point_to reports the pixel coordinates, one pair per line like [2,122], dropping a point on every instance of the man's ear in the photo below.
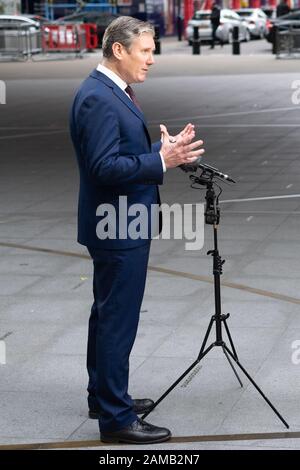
[118,50]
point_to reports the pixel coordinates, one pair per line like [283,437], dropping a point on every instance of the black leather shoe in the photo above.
[140,406]
[139,432]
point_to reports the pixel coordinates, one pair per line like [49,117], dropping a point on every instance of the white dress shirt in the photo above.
[123,85]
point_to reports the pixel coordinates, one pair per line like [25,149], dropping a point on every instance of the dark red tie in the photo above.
[131,93]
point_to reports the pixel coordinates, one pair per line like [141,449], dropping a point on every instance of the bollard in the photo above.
[275,44]
[179,27]
[235,41]
[196,41]
[157,40]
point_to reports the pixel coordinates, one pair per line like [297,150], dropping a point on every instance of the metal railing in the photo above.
[50,7]
[19,42]
[287,43]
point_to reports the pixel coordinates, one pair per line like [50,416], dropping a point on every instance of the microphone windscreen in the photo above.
[190,167]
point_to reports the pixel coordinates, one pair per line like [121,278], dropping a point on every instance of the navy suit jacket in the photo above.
[115,158]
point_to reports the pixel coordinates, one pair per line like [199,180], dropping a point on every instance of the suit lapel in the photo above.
[126,100]
[120,94]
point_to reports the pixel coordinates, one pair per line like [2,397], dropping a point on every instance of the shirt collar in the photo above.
[113,76]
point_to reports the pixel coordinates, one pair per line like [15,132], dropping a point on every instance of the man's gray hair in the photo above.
[124,30]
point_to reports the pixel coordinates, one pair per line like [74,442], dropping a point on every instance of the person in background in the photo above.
[215,22]
[283,8]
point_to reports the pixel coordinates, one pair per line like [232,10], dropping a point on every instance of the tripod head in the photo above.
[207,178]
[212,208]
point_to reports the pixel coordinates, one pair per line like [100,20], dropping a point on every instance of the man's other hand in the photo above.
[180,149]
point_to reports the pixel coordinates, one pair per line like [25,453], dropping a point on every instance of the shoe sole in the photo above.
[114,440]
[94,415]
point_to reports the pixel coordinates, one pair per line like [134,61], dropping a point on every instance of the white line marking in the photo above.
[30,128]
[289,186]
[175,126]
[238,113]
[261,212]
[32,134]
[268,198]
[249,218]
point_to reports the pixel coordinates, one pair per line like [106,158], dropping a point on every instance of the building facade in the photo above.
[10,7]
[165,13]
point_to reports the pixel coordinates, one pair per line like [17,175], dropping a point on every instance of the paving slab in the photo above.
[46,277]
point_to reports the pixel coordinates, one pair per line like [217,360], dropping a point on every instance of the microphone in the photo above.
[214,171]
[192,167]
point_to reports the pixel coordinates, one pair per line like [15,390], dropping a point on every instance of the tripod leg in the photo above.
[235,372]
[230,340]
[206,337]
[178,380]
[257,388]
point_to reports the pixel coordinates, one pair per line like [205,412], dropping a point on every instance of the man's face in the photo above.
[135,63]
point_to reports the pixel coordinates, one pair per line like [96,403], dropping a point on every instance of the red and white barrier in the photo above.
[69,37]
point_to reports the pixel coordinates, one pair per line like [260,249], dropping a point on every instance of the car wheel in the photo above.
[247,35]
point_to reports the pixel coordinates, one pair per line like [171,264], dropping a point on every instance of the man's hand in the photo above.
[180,149]
[187,131]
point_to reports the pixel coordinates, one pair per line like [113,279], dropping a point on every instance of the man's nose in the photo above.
[150,60]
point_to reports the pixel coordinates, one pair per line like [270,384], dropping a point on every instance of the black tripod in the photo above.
[212,217]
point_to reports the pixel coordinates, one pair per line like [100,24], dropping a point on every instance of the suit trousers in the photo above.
[119,284]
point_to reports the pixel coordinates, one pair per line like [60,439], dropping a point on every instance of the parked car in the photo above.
[283,23]
[270,12]
[256,21]
[38,18]
[101,19]
[19,20]
[228,19]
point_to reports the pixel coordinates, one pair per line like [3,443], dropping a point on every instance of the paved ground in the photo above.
[244,109]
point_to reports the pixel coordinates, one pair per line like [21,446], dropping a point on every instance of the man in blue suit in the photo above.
[119,166]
